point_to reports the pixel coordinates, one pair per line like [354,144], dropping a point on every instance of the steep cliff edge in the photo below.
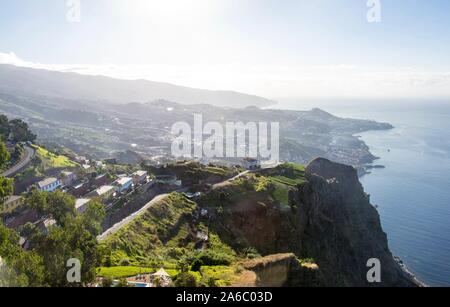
[329,219]
[342,230]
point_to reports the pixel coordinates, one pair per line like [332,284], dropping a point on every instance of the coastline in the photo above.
[365,170]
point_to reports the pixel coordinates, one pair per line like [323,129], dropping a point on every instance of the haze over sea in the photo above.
[413,191]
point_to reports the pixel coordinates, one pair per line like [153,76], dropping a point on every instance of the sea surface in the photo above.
[413,191]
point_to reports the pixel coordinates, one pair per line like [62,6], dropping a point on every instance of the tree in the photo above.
[75,236]
[4,127]
[93,217]
[185,280]
[6,189]
[4,154]
[58,205]
[107,282]
[20,131]
[6,185]
[20,268]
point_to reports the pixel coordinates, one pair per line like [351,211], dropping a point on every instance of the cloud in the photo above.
[332,81]
[12,59]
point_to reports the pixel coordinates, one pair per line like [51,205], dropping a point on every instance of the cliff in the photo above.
[341,229]
[329,220]
[287,226]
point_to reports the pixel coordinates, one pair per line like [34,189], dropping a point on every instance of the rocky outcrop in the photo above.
[331,222]
[279,270]
[341,230]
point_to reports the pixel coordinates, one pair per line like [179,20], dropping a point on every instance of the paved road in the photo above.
[130,218]
[29,154]
[155,200]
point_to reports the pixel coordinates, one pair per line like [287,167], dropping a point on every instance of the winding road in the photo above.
[24,161]
[155,200]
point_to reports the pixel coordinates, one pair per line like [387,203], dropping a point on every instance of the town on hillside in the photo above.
[123,190]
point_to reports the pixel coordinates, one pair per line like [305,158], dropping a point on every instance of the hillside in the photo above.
[71,86]
[302,226]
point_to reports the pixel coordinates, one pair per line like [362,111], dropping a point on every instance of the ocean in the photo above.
[413,191]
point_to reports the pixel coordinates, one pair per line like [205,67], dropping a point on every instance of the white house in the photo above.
[81,204]
[123,184]
[104,192]
[139,177]
[49,184]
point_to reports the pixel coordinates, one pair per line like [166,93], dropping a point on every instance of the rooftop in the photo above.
[47,182]
[103,190]
[140,173]
[80,202]
[123,181]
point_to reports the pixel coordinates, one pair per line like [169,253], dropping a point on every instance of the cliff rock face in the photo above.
[330,222]
[341,230]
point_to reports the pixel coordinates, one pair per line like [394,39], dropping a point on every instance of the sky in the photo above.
[276,49]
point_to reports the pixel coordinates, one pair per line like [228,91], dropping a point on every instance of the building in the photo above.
[28,216]
[49,184]
[251,163]
[81,204]
[123,184]
[104,192]
[100,180]
[81,160]
[68,178]
[139,177]
[162,277]
[11,203]
[80,189]
[87,167]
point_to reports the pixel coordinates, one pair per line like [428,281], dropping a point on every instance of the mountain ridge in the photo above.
[70,85]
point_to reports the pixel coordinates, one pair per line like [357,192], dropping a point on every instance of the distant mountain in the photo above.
[37,82]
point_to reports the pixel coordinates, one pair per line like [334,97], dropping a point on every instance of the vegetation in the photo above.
[51,160]
[6,185]
[193,172]
[153,237]
[218,276]
[290,174]
[128,271]
[73,236]
[16,130]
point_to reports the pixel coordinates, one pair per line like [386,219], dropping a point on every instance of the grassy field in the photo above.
[222,275]
[128,271]
[51,160]
[290,174]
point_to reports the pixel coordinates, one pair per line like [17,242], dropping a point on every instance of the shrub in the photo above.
[185,280]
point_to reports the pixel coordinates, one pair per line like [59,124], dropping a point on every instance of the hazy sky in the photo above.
[278,49]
